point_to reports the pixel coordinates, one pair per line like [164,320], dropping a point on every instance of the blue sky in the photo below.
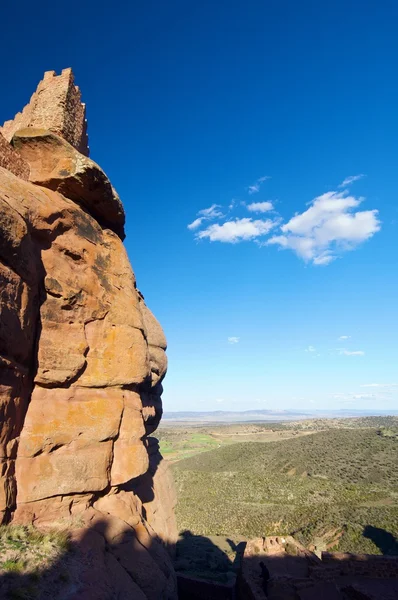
[248,116]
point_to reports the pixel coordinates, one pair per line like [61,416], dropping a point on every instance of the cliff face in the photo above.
[82,358]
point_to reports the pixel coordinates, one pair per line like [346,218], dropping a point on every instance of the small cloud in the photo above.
[345,352]
[260,207]
[255,187]
[351,179]
[219,400]
[237,230]
[206,214]
[379,385]
[344,337]
[211,213]
[233,340]
[310,349]
[195,224]
[324,259]
[350,397]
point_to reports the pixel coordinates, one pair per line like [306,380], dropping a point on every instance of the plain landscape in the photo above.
[332,483]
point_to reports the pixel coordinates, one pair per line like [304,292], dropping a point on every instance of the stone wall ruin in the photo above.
[55,106]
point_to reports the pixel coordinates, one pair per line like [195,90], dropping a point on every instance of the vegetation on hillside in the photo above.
[33,562]
[328,488]
[389,432]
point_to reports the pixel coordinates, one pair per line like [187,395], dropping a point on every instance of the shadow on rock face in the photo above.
[106,561]
[278,568]
[110,560]
[385,541]
[107,551]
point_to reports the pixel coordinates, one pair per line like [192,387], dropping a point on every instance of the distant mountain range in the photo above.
[270,415]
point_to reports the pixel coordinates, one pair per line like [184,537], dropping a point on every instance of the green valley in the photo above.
[332,485]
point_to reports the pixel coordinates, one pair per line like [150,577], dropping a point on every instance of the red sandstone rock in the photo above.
[57,165]
[81,361]
[19,274]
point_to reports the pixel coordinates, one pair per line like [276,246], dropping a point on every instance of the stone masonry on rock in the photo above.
[12,160]
[56,106]
[82,358]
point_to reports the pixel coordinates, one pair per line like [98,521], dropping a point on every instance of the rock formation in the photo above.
[280,567]
[82,358]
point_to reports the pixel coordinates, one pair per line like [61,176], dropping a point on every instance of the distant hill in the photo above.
[221,416]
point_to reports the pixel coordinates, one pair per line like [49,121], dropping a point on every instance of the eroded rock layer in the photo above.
[82,360]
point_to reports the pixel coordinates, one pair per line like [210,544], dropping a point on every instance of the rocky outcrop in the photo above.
[82,361]
[280,567]
[58,166]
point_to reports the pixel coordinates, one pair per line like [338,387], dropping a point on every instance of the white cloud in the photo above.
[345,352]
[327,228]
[206,214]
[233,340]
[237,230]
[350,396]
[323,259]
[211,213]
[310,349]
[219,400]
[344,337]
[379,385]
[260,207]
[255,187]
[195,224]
[351,179]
